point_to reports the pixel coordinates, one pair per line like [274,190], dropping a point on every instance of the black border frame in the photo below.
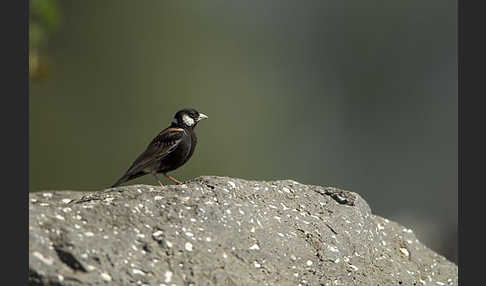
[470,76]
[15,144]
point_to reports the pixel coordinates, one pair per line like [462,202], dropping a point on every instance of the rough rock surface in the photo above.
[223,231]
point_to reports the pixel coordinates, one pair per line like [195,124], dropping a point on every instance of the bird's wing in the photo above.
[161,146]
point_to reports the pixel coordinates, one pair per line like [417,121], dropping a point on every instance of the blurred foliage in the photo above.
[44,18]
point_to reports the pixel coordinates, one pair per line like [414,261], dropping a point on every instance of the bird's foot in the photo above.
[157,179]
[174,179]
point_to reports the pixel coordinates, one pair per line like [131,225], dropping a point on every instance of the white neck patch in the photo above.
[187,120]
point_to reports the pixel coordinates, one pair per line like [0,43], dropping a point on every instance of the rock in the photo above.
[223,231]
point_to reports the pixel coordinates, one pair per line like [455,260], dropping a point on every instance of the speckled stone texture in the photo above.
[223,231]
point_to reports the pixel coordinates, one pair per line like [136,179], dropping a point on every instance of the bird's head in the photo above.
[187,118]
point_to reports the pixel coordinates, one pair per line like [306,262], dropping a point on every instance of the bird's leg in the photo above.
[157,178]
[173,179]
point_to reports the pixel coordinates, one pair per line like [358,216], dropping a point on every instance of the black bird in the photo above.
[169,150]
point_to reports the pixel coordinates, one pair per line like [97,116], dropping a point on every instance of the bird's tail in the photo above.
[127,177]
[120,181]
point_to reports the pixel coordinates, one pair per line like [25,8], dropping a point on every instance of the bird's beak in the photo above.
[201,117]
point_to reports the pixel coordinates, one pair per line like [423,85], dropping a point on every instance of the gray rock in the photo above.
[223,231]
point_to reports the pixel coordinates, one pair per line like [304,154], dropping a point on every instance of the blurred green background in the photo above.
[360,95]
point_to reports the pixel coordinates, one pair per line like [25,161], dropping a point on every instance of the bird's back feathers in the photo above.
[161,146]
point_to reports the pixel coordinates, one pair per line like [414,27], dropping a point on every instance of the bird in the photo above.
[169,150]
